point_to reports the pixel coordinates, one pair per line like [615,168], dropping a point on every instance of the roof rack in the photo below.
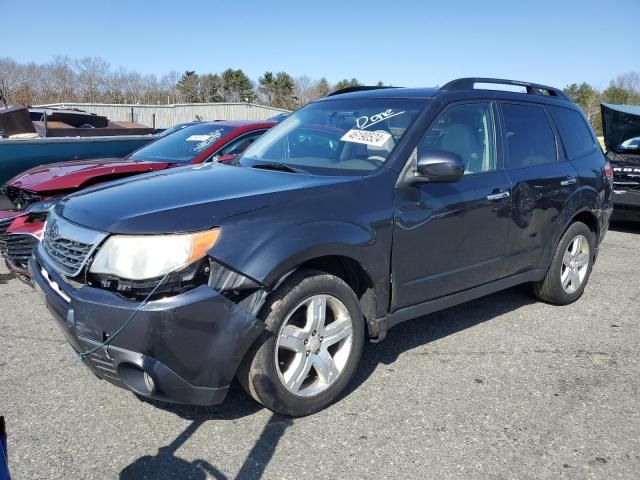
[532,88]
[359,88]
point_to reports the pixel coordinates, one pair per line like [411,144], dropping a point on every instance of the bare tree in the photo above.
[304,89]
[59,81]
[628,81]
[92,76]
[134,88]
[169,84]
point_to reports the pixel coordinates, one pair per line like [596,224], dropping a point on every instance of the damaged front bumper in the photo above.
[183,349]
[20,233]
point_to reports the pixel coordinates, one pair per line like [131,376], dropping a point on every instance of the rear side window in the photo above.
[575,134]
[529,137]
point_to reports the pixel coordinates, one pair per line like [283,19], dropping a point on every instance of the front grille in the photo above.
[69,255]
[68,246]
[620,184]
[626,177]
[4,224]
[18,248]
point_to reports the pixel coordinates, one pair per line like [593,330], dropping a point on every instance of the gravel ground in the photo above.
[500,388]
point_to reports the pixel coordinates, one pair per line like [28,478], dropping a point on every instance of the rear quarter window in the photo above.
[574,131]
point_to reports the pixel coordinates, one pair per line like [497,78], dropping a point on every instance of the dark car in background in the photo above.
[35,191]
[621,128]
[359,211]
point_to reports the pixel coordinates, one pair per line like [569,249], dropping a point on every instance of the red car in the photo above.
[37,190]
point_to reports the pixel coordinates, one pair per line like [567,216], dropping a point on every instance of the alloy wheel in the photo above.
[575,264]
[313,345]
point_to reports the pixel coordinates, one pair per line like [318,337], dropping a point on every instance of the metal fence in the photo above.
[168,115]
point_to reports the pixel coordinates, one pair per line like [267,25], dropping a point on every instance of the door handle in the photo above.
[568,181]
[498,196]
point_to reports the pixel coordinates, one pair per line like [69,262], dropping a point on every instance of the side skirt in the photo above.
[408,313]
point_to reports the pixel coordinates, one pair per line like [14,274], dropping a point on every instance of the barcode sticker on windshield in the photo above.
[376,139]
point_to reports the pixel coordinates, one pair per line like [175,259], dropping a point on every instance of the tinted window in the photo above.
[466,130]
[529,137]
[575,134]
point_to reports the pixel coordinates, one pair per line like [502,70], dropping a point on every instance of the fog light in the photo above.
[149,383]
[138,380]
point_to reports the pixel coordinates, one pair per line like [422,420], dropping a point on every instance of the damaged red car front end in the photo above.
[34,192]
[20,233]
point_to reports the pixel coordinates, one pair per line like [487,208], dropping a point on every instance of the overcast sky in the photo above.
[419,43]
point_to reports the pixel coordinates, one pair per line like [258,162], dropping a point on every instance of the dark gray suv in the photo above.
[359,211]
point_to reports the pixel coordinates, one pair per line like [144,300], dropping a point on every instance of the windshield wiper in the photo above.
[279,166]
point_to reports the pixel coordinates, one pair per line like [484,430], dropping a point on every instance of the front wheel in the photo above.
[311,346]
[570,268]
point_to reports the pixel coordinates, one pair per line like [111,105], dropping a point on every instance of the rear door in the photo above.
[542,181]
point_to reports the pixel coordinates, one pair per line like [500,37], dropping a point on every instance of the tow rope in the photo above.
[83,355]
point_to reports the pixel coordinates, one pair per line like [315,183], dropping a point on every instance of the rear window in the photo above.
[574,131]
[530,139]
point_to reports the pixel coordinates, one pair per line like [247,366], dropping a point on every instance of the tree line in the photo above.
[93,80]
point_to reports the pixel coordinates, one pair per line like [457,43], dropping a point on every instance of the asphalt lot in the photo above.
[500,388]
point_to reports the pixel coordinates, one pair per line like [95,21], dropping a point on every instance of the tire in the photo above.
[565,281]
[274,375]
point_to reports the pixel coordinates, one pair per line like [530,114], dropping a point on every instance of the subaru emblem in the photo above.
[53,231]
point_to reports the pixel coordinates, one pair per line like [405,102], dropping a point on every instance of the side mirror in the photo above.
[437,166]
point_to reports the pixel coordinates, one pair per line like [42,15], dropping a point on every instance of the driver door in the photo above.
[449,237]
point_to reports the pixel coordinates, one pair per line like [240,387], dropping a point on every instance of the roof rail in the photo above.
[532,88]
[359,88]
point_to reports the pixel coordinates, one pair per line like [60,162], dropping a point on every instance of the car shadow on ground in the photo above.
[412,334]
[165,464]
[430,328]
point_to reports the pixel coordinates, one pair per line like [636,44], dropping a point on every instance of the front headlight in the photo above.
[134,257]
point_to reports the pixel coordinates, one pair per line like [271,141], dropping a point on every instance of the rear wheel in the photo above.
[570,268]
[311,347]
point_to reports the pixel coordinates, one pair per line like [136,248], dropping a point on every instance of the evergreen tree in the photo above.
[189,86]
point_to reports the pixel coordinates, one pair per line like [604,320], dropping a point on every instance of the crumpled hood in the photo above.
[72,175]
[187,199]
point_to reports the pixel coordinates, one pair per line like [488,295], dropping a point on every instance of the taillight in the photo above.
[608,171]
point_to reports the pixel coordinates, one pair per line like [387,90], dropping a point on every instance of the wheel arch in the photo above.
[352,272]
[589,219]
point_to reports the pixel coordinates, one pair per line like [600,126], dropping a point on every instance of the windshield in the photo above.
[336,137]
[184,145]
